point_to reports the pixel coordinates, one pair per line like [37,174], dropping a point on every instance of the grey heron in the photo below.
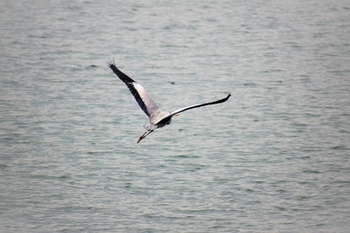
[157,117]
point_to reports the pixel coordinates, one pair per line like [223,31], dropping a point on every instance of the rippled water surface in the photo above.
[274,158]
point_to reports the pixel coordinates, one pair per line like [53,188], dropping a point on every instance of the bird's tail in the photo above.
[150,127]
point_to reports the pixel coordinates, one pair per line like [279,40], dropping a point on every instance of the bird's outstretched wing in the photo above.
[139,93]
[165,119]
[199,105]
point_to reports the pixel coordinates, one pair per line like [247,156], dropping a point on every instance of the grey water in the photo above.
[274,158]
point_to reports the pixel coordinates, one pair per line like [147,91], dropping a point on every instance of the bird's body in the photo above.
[158,118]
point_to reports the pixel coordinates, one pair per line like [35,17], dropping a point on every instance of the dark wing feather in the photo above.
[165,119]
[126,79]
[142,98]
[199,105]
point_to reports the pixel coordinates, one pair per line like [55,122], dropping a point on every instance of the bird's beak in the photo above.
[177,114]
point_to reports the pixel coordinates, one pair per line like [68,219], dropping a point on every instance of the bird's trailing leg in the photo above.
[144,135]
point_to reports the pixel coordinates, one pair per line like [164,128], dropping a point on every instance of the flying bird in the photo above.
[157,117]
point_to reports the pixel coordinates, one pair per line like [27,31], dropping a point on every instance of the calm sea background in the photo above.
[274,158]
